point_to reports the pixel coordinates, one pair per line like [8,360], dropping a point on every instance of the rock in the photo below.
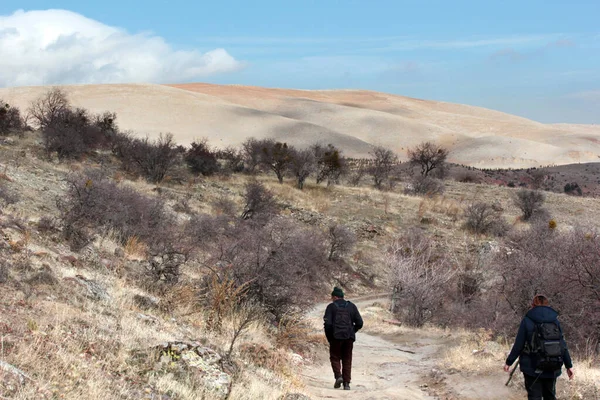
[148,318]
[11,379]
[202,361]
[119,252]
[295,396]
[93,289]
[146,302]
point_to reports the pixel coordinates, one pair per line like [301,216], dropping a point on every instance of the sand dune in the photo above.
[351,119]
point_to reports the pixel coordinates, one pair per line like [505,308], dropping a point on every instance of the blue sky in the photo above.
[537,59]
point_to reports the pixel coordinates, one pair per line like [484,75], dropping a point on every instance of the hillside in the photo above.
[92,322]
[353,120]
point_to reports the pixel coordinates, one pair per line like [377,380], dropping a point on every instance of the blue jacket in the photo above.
[528,361]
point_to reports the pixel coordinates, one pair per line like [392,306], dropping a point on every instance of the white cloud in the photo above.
[63,47]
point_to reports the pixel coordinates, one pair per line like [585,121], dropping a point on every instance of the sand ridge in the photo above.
[354,120]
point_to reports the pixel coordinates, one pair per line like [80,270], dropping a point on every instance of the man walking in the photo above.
[542,350]
[341,322]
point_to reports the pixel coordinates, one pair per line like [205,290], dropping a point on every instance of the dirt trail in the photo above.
[384,367]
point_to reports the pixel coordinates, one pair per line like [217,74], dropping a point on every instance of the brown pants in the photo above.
[340,355]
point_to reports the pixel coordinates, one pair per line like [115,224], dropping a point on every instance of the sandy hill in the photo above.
[354,120]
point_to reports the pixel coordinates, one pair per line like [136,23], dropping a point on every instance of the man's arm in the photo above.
[519,344]
[328,322]
[358,321]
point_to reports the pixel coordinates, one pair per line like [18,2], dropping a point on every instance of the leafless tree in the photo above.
[420,278]
[428,156]
[530,202]
[252,153]
[277,157]
[341,241]
[384,161]
[46,108]
[302,165]
[330,163]
[480,217]
[260,203]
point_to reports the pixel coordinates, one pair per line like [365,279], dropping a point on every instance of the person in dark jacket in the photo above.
[341,322]
[539,384]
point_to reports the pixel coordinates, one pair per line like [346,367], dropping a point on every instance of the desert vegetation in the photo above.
[187,272]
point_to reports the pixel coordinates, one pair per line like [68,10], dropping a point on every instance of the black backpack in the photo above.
[342,322]
[547,345]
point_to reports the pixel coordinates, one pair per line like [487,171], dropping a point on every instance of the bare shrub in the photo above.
[277,157]
[480,217]
[384,161]
[563,266]
[7,196]
[201,159]
[425,186]
[420,278]
[259,202]
[151,159]
[302,165]
[358,173]
[530,202]
[341,241]
[428,156]
[47,108]
[71,133]
[11,121]
[93,202]
[330,163]
[251,153]
[283,264]
[46,224]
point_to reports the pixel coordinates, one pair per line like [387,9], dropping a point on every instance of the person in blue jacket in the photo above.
[539,384]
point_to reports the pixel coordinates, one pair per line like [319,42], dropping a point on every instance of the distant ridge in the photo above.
[354,120]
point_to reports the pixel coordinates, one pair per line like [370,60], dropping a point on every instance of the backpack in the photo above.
[547,345]
[342,322]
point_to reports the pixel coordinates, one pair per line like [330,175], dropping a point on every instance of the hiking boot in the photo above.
[346,385]
[338,382]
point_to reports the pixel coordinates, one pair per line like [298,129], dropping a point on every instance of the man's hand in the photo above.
[570,373]
[507,368]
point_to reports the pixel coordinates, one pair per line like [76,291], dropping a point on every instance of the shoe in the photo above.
[346,386]
[338,382]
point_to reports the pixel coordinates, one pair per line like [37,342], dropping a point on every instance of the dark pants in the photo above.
[540,388]
[340,355]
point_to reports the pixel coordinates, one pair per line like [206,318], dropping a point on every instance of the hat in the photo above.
[337,292]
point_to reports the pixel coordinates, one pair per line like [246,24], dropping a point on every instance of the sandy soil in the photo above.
[354,120]
[384,367]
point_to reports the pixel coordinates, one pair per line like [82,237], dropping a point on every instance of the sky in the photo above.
[536,59]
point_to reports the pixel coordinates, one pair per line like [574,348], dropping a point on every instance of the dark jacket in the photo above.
[528,361]
[329,318]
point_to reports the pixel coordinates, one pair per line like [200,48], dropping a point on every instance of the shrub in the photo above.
[420,278]
[573,188]
[259,202]
[384,161]
[201,159]
[71,134]
[302,165]
[283,264]
[341,241]
[11,121]
[530,202]
[428,156]
[7,196]
[480,217]
[330,163]
[277,157]
[151,159]
[563,266]
[251,153]
[48,108]
[425,186]
[94,202]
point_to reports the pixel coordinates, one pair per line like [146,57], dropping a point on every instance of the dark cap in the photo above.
[337,292]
